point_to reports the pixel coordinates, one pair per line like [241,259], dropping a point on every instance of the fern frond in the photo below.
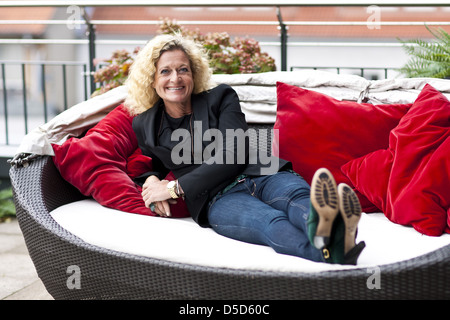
[428,59]
[440,34]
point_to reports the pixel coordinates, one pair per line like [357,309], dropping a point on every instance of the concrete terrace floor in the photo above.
[18,277]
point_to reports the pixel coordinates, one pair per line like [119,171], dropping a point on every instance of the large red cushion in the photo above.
[410,180]
[103,162]
[314,130]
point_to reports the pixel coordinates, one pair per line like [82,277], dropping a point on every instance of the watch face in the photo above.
[171,187]
[171,184]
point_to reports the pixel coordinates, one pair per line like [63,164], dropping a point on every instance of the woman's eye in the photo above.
[164,71]
[184,70]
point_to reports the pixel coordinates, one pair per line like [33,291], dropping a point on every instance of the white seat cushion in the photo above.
[183,241]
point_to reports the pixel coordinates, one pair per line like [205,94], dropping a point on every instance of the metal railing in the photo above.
[42,107]
[91,41]
[361,71]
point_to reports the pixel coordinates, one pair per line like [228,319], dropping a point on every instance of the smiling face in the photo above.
[174,82]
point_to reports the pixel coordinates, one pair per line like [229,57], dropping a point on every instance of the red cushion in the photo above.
[316,130]
[371,180]
[103,162]
[410,180]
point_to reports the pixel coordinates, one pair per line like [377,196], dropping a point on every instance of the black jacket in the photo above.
[218,108]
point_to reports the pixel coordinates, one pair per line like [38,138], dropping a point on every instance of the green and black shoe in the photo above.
[324,210]
[332,233]
[350,209]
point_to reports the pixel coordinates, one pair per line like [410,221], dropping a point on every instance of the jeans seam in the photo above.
[252,193]
[291,203]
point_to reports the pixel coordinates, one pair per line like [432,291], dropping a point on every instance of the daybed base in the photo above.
[107,274]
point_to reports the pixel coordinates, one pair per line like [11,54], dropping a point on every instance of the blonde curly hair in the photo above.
[141,94]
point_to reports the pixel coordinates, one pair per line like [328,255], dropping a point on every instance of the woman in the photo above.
[184,122]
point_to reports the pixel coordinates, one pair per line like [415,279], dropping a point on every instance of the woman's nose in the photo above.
[174,76]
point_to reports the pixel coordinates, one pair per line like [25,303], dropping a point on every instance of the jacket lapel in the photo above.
[148,126]
[150,122]
[201,112]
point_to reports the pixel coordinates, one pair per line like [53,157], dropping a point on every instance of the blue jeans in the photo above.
[268,210]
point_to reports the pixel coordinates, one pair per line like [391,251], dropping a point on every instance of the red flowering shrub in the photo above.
[243,55]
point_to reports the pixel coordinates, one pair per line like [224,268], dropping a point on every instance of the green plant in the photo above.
[7,208]
[241,55]
[428,59]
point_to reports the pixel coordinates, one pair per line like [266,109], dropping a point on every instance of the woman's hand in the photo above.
[156,196]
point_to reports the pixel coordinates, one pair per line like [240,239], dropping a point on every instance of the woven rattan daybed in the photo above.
[120,255]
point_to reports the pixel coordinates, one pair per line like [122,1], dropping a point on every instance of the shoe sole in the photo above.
[324,198]
[350,209]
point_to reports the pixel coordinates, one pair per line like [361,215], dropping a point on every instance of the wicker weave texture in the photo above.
[106,274]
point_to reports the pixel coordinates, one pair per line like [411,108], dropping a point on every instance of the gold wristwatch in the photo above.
[172,188]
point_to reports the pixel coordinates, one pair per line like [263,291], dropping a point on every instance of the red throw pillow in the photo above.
[410,180]
[316,130]
[369,179]
[103,162]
